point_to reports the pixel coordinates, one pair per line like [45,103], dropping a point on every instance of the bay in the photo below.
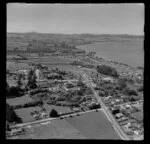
[127,52]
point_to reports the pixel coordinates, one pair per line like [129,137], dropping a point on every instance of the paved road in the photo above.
[89,83]
[51,119]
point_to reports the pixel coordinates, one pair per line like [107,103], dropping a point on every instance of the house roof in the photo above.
[126,121]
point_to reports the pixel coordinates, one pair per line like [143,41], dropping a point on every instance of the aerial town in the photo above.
[50,87]
[75,71]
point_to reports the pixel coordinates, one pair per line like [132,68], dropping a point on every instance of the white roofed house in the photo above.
[109,79]
[25,72]
[38,74]
[119,115]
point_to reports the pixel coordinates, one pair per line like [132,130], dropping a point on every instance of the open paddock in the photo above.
[94,125]
[59,129]
[59,109]
[19,100]
[49,59]
[24,113]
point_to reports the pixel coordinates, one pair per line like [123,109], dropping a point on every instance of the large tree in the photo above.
[19,81]
[32,79]
[11,116]
[53,113]
[107,70]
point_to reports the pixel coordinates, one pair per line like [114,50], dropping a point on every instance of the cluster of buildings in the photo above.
[128,115]
[132,74]
[15,132]
[39,114]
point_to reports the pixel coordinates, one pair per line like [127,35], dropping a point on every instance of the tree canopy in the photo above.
[32,79]
[11,116]
[107,70]
[53,113]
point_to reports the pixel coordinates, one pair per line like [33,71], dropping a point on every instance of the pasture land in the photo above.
[94,125]
[59,109]
[24,113]
[59,129]
[19,100]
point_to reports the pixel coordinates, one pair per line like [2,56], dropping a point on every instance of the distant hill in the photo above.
[36,42]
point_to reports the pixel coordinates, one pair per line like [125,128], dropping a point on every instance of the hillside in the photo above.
[40,42]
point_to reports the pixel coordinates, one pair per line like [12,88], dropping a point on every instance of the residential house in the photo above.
[119,115]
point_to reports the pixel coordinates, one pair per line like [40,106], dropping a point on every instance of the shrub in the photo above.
[14,91]
[128,91]
[134,98]
[53,113]
[61,99]
[115,111]
[17,107]
[122,83]
[33,104]
[101,93]
[107,70]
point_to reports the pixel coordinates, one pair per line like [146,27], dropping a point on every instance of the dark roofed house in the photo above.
[54,76]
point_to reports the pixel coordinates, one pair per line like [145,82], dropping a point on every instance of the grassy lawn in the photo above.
[57,108]
[19,100]
[59,129]
[94,125]
[49,59]
[24,113]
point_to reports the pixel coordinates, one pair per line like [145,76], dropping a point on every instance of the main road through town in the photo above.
[88,81]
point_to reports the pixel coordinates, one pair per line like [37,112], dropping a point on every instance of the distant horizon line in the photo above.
[81,33]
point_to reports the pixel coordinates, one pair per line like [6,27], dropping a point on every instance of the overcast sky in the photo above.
[76,18]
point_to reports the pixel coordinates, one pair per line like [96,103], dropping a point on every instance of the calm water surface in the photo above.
[131,53]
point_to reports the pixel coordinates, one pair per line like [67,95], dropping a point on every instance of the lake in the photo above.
[127,52]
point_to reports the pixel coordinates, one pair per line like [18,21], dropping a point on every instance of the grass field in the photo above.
[17,65]
[94,126]
[59,129]
[24,113]
[19,100]
[57,108]
[48,59]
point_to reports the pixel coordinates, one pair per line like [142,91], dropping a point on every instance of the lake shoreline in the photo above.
[86,48]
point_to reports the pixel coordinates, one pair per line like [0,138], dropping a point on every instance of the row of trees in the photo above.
[32,79]
[107,70]
[30,104]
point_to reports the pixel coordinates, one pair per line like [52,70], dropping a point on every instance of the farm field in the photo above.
[24,113]
[17,65]
[59,109]
[94,126]
[19,100]
[59,129]
[49,59]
